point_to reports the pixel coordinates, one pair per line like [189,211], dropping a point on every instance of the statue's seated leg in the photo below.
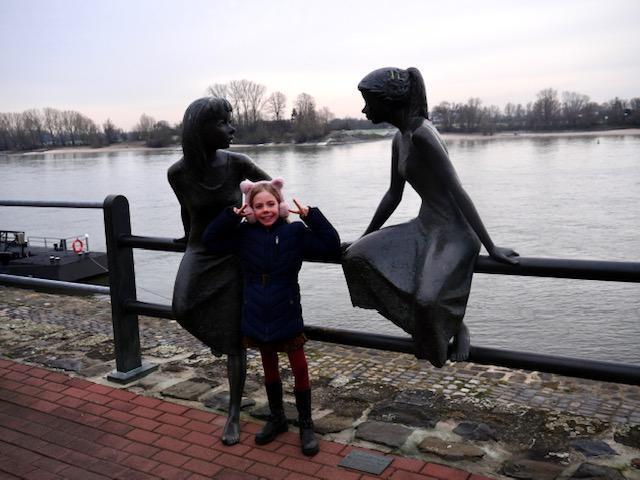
[460,345]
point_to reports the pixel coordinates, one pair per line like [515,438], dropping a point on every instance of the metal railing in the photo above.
[125,306]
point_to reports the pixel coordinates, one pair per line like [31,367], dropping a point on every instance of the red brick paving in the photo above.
[53,426]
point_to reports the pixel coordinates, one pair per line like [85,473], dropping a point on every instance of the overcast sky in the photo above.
[120,58]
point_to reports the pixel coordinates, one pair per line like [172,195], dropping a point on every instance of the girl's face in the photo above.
[266,209]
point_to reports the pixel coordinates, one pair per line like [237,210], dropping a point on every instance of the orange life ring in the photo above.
[77,245]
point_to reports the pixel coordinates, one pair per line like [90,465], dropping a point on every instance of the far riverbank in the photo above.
[139,146]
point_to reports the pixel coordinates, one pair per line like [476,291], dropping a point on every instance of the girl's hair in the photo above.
[264,187]
[199,112]
[401,88]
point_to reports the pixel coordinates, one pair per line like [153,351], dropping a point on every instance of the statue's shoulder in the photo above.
[241,163]
[425,134]
[239,158]
[176,171]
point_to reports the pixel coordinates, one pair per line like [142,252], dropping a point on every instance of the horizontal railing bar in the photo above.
[563,268]
[572,367]
[528,266]
[149,309]
[44,203]
[151,243]
[71,287]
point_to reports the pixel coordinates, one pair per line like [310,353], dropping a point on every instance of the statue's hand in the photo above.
[344,246]
[504,255]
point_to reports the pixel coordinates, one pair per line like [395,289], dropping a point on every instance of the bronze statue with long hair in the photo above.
[207,297]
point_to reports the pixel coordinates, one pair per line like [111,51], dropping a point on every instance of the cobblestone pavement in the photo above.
[74,333]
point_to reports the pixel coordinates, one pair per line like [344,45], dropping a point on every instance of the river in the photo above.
[557,196]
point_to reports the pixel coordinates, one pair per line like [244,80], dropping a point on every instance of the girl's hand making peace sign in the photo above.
[302,211]
[241,212]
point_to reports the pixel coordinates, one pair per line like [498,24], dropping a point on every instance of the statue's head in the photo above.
[204,129]
[393,88]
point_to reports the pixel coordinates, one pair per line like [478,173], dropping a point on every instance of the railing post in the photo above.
[122,282]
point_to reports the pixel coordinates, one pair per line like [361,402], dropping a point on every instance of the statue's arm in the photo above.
[184,213]
[392,197]
[430,148]
[249,169]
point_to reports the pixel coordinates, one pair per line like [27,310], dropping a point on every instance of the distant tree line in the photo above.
[571,111]
[262,118]
[46,128]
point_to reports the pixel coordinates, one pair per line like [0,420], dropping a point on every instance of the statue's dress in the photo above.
[207,296]
[418,274]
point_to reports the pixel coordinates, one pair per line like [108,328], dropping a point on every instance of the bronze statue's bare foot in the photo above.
[231,432]
[461,345]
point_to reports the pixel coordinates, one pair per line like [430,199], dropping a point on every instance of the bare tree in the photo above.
[325,116]
[218,90]
[615,111]
[111,133]
[246,99]
[7,141]
[546,108]
[276,103]
[255,100]
[305,106]
[444,115]
[573,105]
[53,124]
[144,126]
[471,114]
[32,122]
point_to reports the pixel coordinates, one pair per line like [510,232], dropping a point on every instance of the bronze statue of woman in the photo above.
[207,297]
[418,274]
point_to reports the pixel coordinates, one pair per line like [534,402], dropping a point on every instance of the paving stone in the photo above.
[589,471]
[417,398]
[189,389]
[592,448]
[332,423]
[452,451]
[403,413]
[97,370]
[68,364]
[475,431]
[628,435]
[220,401]
[524,469]
[389,434]
[262,412]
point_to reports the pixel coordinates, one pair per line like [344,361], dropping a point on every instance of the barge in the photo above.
[67,259]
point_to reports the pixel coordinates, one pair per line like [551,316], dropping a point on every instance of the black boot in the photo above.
[308,440]
[277,422]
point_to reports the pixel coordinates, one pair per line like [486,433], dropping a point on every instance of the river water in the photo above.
[560,197]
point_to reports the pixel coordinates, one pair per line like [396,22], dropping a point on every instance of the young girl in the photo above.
[271,251]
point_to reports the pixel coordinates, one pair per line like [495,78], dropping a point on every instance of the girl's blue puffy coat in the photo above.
[271,259]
